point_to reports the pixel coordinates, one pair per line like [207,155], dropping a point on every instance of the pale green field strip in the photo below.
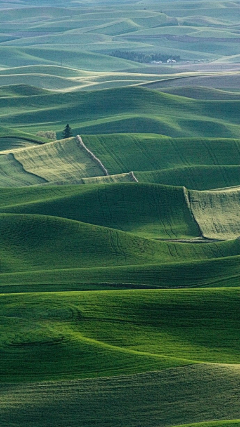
[190,394]
[59,161]
[116,332]
[217,212]
[13,174]
[203,93]
[227,82]
[124,177]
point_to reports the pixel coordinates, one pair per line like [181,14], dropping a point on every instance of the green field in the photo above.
[119,247]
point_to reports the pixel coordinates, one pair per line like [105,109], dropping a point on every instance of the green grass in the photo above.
[178,395]
[194,177]
[152,152]
[221,272]
[140,111]
[223,423]
[152,211]
[115,332]
[34,242]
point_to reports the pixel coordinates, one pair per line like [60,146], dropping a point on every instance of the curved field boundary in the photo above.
[82,145]
[13,174]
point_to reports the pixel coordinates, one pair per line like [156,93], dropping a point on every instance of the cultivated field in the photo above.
[120,242]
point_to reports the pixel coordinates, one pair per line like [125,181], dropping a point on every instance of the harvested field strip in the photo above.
[59,161]
[13,174]
[92,156]
[124,177]
[101,400]
[217,212]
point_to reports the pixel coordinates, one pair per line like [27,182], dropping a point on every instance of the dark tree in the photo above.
[67,133]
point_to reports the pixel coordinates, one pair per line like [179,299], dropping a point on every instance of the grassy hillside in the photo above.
[119,249]
[152,152]
[194,177]
[140,110]
[114,332]
[167,393]
[32,242]
[146,210]
[218,272]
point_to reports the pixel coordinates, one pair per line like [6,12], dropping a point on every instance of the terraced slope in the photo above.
[13,174]
[195,163]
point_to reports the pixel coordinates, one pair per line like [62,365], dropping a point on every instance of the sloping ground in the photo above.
[59,161]
[217,212]
[202,93]
[37,242]
[116,332]
[123,177]
[147,210]
[12,173]
[219,272]
[199,163]
[140,152]
[140,110]
[9,144]
[194,177]
[177,395]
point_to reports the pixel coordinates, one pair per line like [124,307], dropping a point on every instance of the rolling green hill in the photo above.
[115,332]
[167,392]
[146,210]
[119,248]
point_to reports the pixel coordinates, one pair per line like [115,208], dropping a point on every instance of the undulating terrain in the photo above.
[120,240]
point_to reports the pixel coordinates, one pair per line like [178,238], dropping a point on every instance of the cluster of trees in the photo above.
[49,134]
[143,57]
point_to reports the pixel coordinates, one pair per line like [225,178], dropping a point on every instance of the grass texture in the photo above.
[171,394]
[115,332]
